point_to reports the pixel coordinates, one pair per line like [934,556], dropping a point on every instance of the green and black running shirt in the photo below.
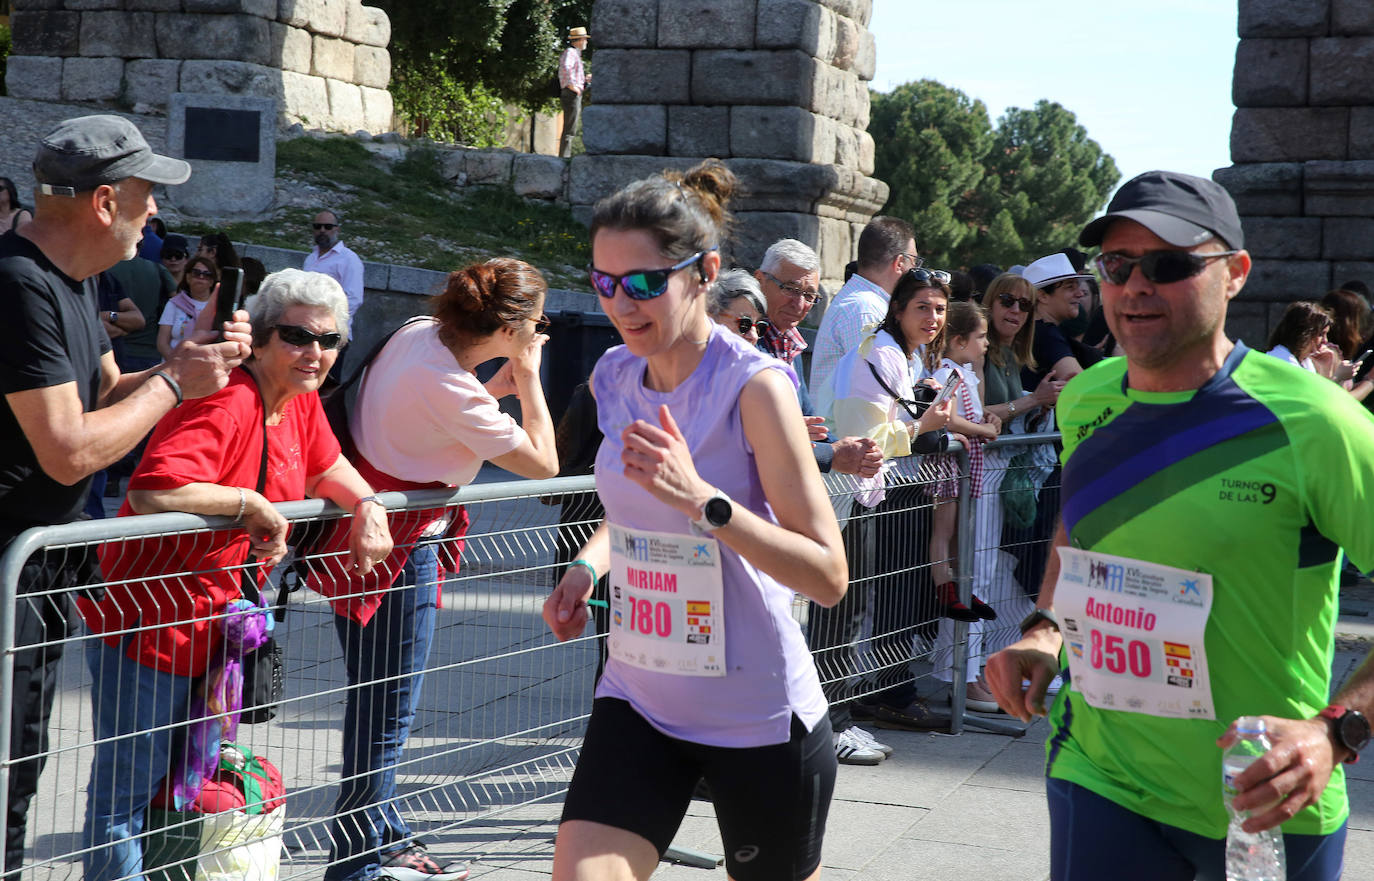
[1258,478]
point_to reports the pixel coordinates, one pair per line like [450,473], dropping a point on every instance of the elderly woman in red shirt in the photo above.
[262,439]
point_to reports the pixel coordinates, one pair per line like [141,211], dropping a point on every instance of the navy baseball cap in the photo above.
[1181,209]
[88,151]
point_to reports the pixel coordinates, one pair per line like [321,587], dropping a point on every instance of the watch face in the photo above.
[717,511]
[1354,730]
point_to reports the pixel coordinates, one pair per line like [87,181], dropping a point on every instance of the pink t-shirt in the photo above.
[422,417]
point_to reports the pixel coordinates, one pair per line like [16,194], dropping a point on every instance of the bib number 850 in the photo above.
[1109,652]
[649,617]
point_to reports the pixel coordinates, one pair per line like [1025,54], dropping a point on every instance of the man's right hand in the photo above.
[857,455]
[200,365]
[1034,657]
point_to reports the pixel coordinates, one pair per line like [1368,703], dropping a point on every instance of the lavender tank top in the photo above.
[770,673]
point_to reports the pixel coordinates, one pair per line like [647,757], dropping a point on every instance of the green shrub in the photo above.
[4,54]
[431,104]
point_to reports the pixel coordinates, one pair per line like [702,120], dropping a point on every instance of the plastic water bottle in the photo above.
[1250,856]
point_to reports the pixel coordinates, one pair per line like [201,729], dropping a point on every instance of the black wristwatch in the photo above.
[715,513]
[1036,617]
[1349,727]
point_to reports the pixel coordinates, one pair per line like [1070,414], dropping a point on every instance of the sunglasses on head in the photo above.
[174,255]
[640,284]
[295,335]
[926,276]
[202,273]
[1160,267]
[1010,302]
[325,225]
[794,289]
[744,325]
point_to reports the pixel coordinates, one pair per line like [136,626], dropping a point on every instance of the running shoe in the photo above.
[851,749]
[872,741]
[413,863]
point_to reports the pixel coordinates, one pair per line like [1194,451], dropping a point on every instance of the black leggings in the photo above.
[771,801]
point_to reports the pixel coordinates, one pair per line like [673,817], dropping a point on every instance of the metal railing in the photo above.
[503,705]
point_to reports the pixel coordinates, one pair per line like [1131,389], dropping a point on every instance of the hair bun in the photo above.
[469,288]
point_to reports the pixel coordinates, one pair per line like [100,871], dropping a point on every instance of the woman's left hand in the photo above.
[369,538]
[658,460]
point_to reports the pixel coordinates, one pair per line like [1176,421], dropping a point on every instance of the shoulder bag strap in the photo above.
[901,401]
[249,584]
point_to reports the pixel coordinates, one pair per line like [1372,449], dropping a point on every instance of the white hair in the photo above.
[798,254]
[294,287]
[730,286]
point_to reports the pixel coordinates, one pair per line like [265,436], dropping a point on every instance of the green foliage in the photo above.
[979,194]
[4,54]
[510,47]
[432,104]
[407,213]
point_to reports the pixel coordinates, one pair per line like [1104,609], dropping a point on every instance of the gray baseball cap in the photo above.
[88,151]
[1181,209]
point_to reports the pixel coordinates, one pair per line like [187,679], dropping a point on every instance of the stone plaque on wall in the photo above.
[222,135]
[230,141]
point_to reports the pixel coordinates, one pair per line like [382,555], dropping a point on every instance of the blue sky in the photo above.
[1150,82]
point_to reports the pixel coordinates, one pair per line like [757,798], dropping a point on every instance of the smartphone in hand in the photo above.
[230,297]
[948,391]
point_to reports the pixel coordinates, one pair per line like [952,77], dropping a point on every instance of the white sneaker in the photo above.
[872,742]
[850,749]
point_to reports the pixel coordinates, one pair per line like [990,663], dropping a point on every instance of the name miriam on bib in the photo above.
[650,580]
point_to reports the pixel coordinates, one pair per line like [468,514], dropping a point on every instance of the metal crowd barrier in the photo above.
[503,706]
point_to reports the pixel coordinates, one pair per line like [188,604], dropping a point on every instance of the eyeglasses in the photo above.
[202,273]
[926,276]
[793,289]
[639,284]
[917,262]
[541,324]
[1010,302]
[1160,267]
[295,335]
[747,324]
[174,255]
[325,225]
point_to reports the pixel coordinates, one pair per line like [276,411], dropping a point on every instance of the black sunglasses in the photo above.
[926,276]
[295,335]
[174,255]
[793,288]
[202,273]
[744,324]
[325,225]
[640,284]
[1160,267]
[1010,302]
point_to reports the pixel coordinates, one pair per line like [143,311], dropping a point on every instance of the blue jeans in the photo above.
[385,662]
[127,700]
[1094,837]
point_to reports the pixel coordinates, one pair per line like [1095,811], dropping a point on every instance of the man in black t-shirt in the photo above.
[68,410]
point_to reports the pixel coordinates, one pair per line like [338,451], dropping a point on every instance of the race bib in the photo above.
[667,602]
[1134,634]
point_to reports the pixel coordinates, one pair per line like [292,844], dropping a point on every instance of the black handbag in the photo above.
[264,668]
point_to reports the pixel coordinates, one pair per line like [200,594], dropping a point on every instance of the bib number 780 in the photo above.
[1116,654]
[649,617]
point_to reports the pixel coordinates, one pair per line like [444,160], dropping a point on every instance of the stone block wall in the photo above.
[777,88]
[1302,141]
[324,61]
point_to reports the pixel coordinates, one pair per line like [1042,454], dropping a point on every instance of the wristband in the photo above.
[171,383]
[373,499]
[588,566]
